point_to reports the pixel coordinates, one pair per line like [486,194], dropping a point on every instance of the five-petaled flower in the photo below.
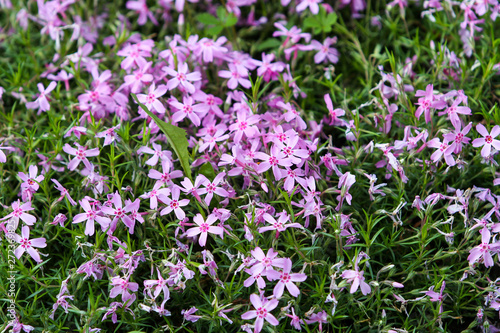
[263,307]
[204,227]
[28,245]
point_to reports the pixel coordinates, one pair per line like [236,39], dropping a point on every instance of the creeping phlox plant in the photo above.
[244,165]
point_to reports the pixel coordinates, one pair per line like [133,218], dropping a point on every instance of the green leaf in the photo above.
[176,136]
[267,44]
[207,170]
[215,30]
[206,18]
[231,20]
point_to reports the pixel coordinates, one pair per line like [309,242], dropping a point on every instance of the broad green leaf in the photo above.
[267,44]
[176,136]
[206,18]
[215,30]
[207,170]
[231,20]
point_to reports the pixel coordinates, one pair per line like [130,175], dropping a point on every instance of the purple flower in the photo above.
[19,212]
[188,315]
[325,51]
[262,311]
[122,286]
[80,154]
[182,77]
[90,215]
[31,181]
[64,192]
[483,250]
[280,225]
[173,203]
[151,100]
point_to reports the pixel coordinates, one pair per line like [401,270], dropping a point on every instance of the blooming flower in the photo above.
[487,140]
[173,203]
[280,225]
[121,286]
[182,77]
[64,192]
[151,99]
[325,51]
[211,188]
[483,250]
[25,244]
[235,77]
[19,212]
[90,215]
[31,181]
[286,279]
[41,103]
[204,227]
[80,154]
[262,312]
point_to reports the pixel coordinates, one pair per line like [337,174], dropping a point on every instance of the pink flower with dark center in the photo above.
[28,245]
[151,99]
[90,215]
[457,138]
[286,279]
[119,212]
[212,187]
[442,150]
[235,77]
[334,114]
[158,285]
[122,286]
[182,77]
[109,135]
[204,227]
[19,212]
[488,140]
[325,51]
[31,180]
[312,4]
[281,225]
[174,204]
[154,194]
[188,109]
[80,154]
[167,175]
[262,312]
[484,250]
[157,153]
[454,110]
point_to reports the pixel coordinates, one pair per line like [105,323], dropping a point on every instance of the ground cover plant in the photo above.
[249,166]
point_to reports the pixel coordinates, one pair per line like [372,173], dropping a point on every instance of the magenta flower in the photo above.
[333,113]
[64,192]
[265,262]
[90,215]
[235,77]
[119,212]
[142,9]
[427,102]
[151,99]
[182,77]
[41,103]
[442,150]
[286,279]
[208,48]
[262,311]
[31,181]
[187,109]
[158,285]
[325,51]
[157,153]
[312,4]
[77,131]
[121,287]
[281,225]
[487,140]
[296,321]
[212,187]
[267,69]
[204,227]
[138,78]
[483,250]
[356,279]
[454,110]
[28,245]
[19,212]
[174,204]
[167,175]
[109,135]
[81,155]
[244,124]
[274,161]
[154,194]
[457,137]
[188,315]
[437,297]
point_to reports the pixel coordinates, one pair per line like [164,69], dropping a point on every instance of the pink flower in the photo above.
[487,140]
[188,315]
[211,188]
[81,155]
[31,181]
[151,99]
[235,77]
[454,110]
[204,227]
[356,278]
[265,262]
[262,311]
[142,9]
[28,245]
[442,150]
[286,279]
[77,131]
[119,212]
[174,204]
[458,137]
[109,135]
[64,192]
[154,194]
[427,102]
[281,225]
[159,286]
[41,103]
[325,51]
[187,109]
[437,297]
[122,286]
[182,77]
[296,321]
[208,49]
[312,4]
[167,175]
[483,250]
[90,215]
[333,113]
[19,212]
[157,153]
